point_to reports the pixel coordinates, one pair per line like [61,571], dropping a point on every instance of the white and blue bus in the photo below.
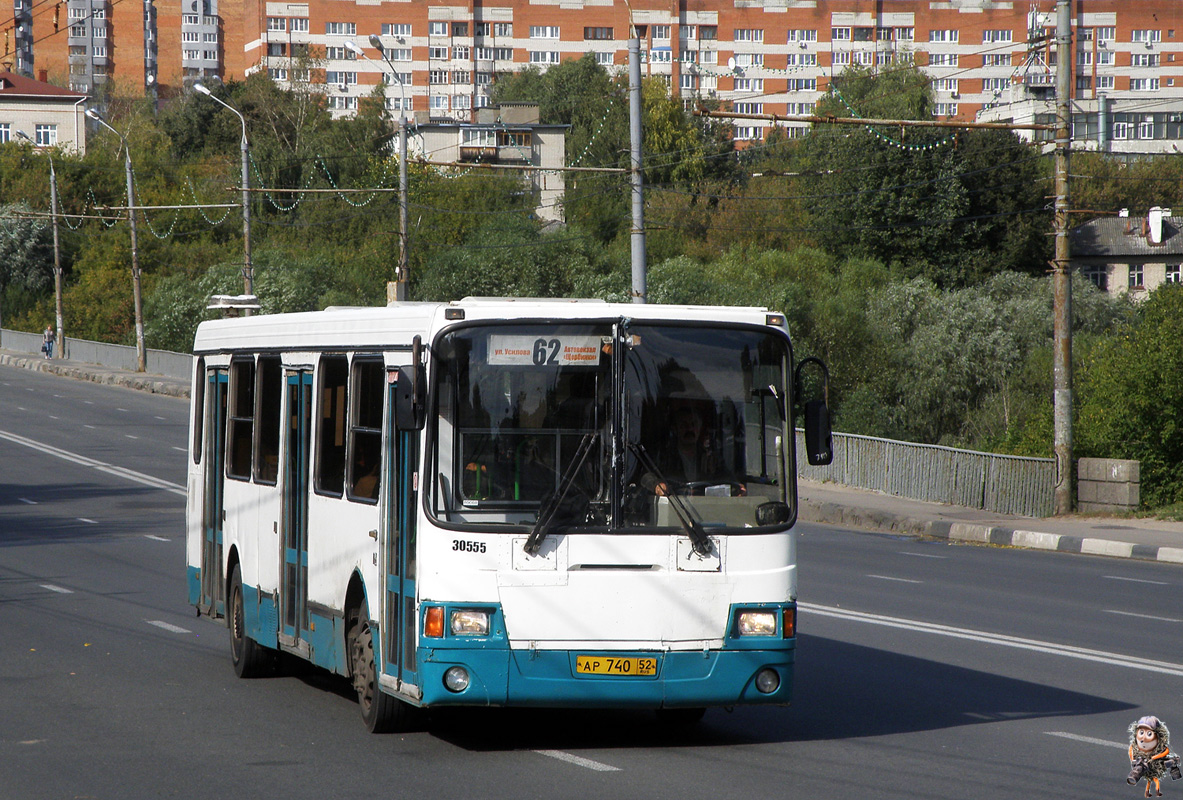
[500,502]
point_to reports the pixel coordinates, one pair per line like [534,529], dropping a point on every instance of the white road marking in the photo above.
[156,538]
[51,416]
[21,408]
[124,410]
[110,469]
[129,436]
[92,427]
[167,626]
[1035,645]
[578,761]
[58,589]
[87,521]
[1142,616]
[180,449]
[1135,580]
[89,402]
[160,418]
[27,501]
[57,395]
[920,555]
[1087,739]
[890,578]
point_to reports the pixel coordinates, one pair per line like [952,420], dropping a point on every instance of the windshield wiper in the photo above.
[546,513]
[693,528]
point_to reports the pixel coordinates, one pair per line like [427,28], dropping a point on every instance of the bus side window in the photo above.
[242,418]
[365,429]
[199,409]
[268,394]
[330,455]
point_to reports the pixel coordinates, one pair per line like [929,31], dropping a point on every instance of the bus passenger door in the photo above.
[293,582]
[399,622]
[213,582]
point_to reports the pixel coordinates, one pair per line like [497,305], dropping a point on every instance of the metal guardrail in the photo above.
[116,356]
[990,481]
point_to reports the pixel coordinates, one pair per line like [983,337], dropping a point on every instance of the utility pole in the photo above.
[57,261]
[637,179]
[1062,273]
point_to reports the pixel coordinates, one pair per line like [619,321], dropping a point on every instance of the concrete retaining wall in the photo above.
[1107,485]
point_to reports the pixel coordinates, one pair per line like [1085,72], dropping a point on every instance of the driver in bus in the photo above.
[689,456]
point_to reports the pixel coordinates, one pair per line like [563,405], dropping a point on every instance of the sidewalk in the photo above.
[1123,537]
[830,503]
[79,370]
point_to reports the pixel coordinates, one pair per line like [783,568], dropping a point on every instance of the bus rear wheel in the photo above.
[381,712]
[250,659]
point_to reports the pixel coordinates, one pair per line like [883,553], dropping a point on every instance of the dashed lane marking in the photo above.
[578,761]
[59,589]
[1135,580]
[27,501]
[1142,616]
[166,626]
[890,578]
[1076,737]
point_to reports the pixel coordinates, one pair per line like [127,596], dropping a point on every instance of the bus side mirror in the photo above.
[819,445]
[409,395]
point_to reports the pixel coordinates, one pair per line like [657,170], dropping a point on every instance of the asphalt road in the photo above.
[925,670]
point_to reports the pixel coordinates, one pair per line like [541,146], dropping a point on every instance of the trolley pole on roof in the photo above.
[635,139]
[1062,272]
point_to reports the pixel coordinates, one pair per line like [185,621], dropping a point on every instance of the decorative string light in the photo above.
[915,148]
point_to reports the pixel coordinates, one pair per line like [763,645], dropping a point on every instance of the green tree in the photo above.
[26,256]
[1130,396]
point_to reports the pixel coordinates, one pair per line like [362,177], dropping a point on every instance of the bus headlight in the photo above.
[470,622]
[757,623]
[456,679]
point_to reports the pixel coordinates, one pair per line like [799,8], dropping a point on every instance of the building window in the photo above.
[273,23]
[708,33]
[749,84]
[1144,84]
[544,57]
[1121,130]
[1105,82]
[461,76]
[996,60]
[340,78]
[192,36]
[687,82]
[331,53]
[801,85]
[749,60]
[437,53]
[462,52]
[1084,83]
[277,74]
[396,29]
[1146,129]
[661,32]
[461,102]
[544,31]
[597,34]
[438,76]
[398,53]
[802,35]
[279,49]
[997,36]
[905,34]
[437,29]
[299,25]
[1099,276]
[944,109]
[840,34]
[1136,280]
[1173,275]
[459,28]
[862,34]
[341,28]
[605,59]
[503,29]
[947,35]
[748,34]
[1144,60]
[78,31]
[747,133]
[1145,36]
[5,133]
[438,102]
[749,108]
[945,85]
[688,32]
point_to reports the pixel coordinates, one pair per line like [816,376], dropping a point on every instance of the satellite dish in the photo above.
[731,63]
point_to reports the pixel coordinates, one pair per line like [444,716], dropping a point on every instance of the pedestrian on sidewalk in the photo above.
[47,341]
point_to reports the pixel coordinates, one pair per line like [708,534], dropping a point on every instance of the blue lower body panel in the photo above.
[502,677]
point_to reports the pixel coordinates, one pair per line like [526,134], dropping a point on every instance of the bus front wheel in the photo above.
[250,659]
[381,712]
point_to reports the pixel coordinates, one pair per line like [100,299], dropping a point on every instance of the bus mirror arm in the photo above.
[408,396]
[819,446]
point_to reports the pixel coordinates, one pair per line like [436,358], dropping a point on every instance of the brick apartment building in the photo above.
[762,56]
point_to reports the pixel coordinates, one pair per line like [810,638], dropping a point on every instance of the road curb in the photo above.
[887,522]
[156,384]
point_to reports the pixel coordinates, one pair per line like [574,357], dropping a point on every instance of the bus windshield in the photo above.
[611,426]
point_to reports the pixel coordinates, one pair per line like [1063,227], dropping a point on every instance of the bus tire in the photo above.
[250,659]
[381,712]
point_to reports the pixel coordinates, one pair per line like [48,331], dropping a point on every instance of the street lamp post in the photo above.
[57,251]
[248,270]
[141,355]
[400,285]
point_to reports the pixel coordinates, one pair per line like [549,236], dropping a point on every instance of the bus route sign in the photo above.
[544,351]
